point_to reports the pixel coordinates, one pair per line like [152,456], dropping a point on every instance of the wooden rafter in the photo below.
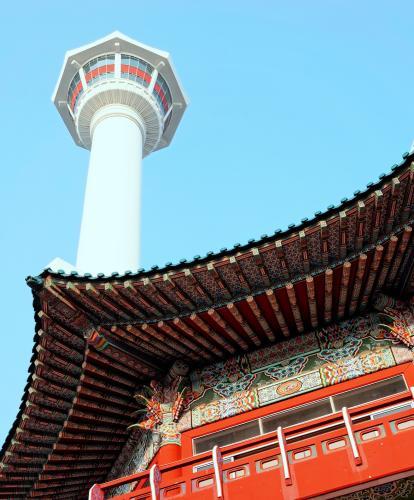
[172,342]
[145,304]
[149,346]
[209,332]
[106,303]
[175,289]
[260,318]
[372,276]
[148,284]
[304,250]
[237,316]
[409,196]
[402,247]
[328,295]
[189,341]
[324,234]
[290,289]
[201,290]
[389,254]
[343,294]
[123,301]
[236,337]
[193,348]
[377,215]
[359,276]
[392,205]
[310,290]
[343,234]
[239,273]
[205,342]
[360,229]
[216,276]
[89,306]
[281,256]
[261,266]
[270,295]
[161,347]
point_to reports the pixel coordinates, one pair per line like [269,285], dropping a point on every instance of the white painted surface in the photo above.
[218,470]
[58,264]
[283,454]
[155,479]
[119,43]
[110,228]
[351,437]
[120,121]
[121,93]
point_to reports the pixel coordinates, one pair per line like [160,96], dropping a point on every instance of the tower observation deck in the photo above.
[121,100]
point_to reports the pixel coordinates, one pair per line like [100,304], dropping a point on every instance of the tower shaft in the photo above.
[121,100]
[110,229]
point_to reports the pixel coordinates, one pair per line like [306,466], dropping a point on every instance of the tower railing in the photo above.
[359,446]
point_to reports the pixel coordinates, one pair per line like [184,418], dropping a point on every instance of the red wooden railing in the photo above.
[342,452]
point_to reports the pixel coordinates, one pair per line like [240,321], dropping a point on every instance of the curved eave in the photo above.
[325,270]
[76,408]
[307,225]
[93,416]
[326,241]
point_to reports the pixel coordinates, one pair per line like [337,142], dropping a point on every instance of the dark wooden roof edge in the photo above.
[10,435]
[320,271]
[360,262]
[39,285]
[238,248]
[27,450]
[61,438]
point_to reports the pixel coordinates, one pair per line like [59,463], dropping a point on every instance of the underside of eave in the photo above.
[78,400]
[325,270]
[201,337]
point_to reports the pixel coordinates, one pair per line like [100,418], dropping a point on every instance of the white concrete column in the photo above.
[110,229]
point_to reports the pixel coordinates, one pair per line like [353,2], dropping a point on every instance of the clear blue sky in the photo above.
[294,105]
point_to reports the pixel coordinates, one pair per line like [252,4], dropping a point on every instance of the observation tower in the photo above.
[121,100]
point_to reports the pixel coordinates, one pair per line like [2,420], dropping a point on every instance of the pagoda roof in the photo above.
[99,337]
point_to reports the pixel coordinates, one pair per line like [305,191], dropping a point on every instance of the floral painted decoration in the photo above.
[162,401]
[178,405]
[395,323]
